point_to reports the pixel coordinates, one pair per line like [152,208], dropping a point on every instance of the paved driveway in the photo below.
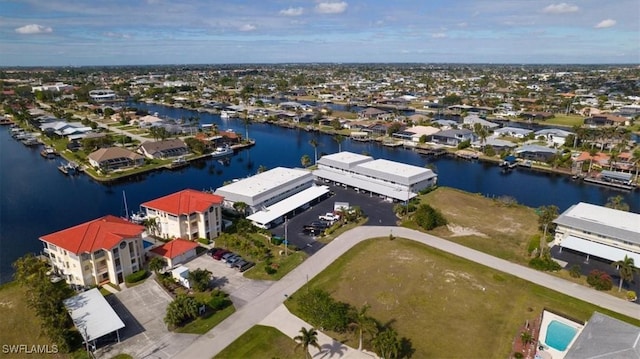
[142,309]
[379,211]
[241,290]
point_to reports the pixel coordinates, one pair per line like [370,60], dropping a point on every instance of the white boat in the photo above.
[226,114]
[178,163]
[138,218]
[222,151]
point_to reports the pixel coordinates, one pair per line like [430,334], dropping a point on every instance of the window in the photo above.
[53,247]
[122,245]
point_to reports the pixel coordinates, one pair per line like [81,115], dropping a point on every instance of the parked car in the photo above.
[246,266]
[228,256]
[239,264]
[219,254]
[212,251]
[233,260]
[315,226]
[329,217]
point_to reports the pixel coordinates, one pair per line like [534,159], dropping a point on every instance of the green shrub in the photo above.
[219,300]
[204,240]
[136,276]
[631,295]
[599,280]
[575,271]
[544,264]
[428,217]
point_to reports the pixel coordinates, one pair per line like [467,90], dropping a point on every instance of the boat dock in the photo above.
[433,152]
[467,155]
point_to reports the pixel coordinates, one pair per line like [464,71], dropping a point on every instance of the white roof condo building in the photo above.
[599,231]
[266,188]
[393,180]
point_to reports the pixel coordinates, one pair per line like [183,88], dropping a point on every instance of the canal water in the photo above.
[36,199]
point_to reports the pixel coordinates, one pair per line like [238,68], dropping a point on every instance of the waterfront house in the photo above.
[473,118]
[65,129]
[103,250]
[453,137]
[606,120]
[536,115]
[414,133]
[373,113]
[164,149]
[175,252]
[514,132]
[554,136]
[497,144]
[536,152]
[599,231]
[113,158]
[188,214]
[377,129]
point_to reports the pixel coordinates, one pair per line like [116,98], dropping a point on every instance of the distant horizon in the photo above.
[64,33]
[325,63]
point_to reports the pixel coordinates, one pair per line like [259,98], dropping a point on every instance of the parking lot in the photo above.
[142,309]
[240,289]
[379,212]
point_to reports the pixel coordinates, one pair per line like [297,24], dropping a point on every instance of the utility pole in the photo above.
[286,241]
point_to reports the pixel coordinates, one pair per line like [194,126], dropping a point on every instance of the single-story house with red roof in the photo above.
[176,252]
[103,250]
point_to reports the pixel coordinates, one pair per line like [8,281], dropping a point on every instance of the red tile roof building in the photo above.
[188,214]
[106,249]
[177,251]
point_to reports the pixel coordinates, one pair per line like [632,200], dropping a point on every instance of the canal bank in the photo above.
[37,199]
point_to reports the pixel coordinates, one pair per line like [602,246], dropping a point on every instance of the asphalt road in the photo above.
[255,311]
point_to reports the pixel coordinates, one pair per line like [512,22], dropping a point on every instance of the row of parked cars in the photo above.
[233,260]
[324,222]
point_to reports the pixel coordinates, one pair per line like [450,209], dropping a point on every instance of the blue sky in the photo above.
[122,32]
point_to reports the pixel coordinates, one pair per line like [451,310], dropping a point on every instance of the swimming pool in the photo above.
[559,335]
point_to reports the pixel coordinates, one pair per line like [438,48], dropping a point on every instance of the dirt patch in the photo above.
[459,231]
[6,305]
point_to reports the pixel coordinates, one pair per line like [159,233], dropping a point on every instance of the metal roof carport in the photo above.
[93,316]
[367,185]
[598,249]
[276,211]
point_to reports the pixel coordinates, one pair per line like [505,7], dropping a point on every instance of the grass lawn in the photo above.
[262,342]
[19,324]
[204,324]
[565,120]
[285,265]
[445,305]
[484,224]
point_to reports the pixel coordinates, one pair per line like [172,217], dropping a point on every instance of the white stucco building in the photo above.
[392,180]
[599,231]
[266,188]
[103,250]
[188,214]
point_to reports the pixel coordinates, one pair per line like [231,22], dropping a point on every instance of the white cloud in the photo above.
[33,29]
[292,11]
[247,27]
[439,35]
[561,8]
[331,7]
[605,24]
[117,35]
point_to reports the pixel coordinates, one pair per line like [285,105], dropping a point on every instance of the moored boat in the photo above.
[222,151]
[48,152]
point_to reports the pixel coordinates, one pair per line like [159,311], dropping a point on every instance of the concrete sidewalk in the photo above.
[290,325]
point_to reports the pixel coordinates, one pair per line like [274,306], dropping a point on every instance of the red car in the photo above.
[219,253]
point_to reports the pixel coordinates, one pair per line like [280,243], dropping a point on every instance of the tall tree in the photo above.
[546,216]
[314,143]
[617,202]
[156,264]
[339,139]
[200,279]
[626,270]
[363,323]
[307,338]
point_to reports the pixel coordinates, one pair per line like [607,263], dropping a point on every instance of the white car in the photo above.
[329,217]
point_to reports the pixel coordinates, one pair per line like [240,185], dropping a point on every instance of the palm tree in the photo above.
[306,339]
[339,139]
[156,264]
[151,224]
[387,344]
[314,143]
[363,323]
[635,157]
[305,161]
[200,279]
[617,202]
[626,269]
[240,207]
[526,338]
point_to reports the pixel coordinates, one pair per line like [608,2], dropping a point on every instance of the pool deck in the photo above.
[547,318]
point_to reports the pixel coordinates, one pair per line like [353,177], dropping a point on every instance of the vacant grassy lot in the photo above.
[446,306]
[565,120]
[262,342]
[484,224]
[19,325]
[203,324]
